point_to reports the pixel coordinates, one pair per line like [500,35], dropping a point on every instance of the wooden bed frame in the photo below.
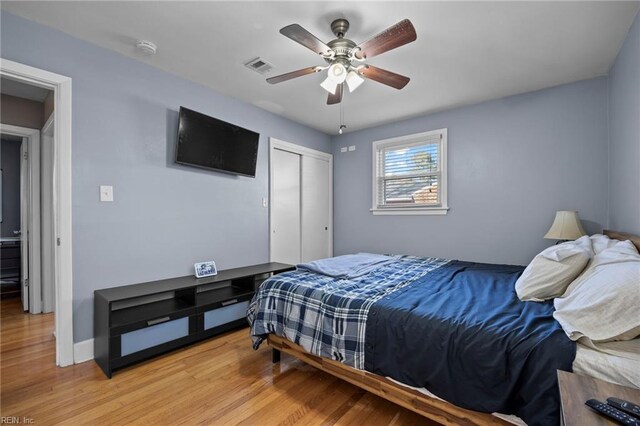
[635,239]
[435,409]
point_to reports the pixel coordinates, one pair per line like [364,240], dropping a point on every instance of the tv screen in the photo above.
[210,143]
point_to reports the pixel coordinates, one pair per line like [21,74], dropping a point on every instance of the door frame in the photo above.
[47,227]
[31,147]
[61,86]
[302,151]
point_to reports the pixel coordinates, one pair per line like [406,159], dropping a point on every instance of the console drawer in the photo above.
[217,317]
[153,335]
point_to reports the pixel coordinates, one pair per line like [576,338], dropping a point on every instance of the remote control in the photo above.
[626,406]
[613,413]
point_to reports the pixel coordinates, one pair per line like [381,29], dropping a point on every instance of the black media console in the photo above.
[136,322]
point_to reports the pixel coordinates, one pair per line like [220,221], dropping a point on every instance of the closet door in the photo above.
[316,208]
[285,207]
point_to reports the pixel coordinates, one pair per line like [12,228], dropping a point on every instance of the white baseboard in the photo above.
[83,351]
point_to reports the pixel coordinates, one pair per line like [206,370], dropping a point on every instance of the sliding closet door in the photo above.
[316,208]
[285,207]
[301,203]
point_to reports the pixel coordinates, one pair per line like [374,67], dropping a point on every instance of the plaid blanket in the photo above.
[325,315]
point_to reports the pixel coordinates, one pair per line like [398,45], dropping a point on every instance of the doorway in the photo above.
[301,203]
[60,196]
[10,241]
[21,237]
[28,229]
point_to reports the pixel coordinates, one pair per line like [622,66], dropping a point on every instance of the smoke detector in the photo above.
[146,47]
[259,65]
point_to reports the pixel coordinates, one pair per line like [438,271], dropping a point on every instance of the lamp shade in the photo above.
[329,85]
[353,80]
[566,226]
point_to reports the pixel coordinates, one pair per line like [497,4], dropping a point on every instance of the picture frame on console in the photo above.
[205,269]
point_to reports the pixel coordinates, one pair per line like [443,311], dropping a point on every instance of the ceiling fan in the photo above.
[345,58]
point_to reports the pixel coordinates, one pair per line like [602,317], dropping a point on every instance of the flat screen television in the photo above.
[213,144]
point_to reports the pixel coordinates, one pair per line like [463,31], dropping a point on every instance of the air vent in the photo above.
[259,65]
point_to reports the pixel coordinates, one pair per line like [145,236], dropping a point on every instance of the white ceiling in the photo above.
[21,90]
[466,52]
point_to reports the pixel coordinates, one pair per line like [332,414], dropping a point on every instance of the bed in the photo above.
[478,346]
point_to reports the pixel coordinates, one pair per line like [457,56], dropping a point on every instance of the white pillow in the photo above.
[601,242]
[550,272]
[603,304]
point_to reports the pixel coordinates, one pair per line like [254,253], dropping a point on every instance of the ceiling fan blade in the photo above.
[383,76]
[395,36]
[298,34]
[337,97]
[293,74]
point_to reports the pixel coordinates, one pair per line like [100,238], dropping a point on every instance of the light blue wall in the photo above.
[165,217]
[624,135]
[512,163]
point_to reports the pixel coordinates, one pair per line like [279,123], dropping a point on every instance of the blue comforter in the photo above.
[462,333]
[456,328]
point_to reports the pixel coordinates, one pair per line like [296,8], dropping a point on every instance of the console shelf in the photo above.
[221,297]
[136,322]
[149,311]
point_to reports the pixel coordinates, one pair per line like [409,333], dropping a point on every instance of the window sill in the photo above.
[403,211]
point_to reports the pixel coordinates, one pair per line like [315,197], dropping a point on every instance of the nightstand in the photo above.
[576,389]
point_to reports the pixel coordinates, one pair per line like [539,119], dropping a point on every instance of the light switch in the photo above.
[352,148]
[264,202]
[106,193]
[343,149]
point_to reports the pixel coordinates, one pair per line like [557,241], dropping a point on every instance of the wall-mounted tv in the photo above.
[209,143]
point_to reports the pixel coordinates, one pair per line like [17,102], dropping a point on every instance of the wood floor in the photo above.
[219,381]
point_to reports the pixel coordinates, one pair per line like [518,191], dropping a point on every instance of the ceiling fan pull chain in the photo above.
[342,125]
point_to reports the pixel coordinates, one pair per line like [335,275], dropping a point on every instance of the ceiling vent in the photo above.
[259,65]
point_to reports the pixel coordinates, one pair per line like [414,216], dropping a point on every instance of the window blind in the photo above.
[409,173]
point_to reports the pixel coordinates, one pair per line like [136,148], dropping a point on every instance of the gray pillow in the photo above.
[550,272]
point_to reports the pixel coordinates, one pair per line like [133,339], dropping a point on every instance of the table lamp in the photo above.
[566,226]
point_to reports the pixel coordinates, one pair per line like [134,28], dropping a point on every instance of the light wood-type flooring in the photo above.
[218,381]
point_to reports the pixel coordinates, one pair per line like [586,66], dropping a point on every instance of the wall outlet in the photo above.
[106,193]
[352,148]
[343,149]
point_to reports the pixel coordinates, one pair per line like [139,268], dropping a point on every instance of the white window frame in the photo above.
[443,207]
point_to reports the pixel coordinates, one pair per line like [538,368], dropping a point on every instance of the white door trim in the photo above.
[47,237]
[300,150]
[61,87]
[30,137]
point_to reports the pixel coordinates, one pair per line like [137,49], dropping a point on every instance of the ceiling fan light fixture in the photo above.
[337,73]
[329,85]
[339,56]
[353,80]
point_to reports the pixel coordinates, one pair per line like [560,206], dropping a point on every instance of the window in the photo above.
[410,174]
